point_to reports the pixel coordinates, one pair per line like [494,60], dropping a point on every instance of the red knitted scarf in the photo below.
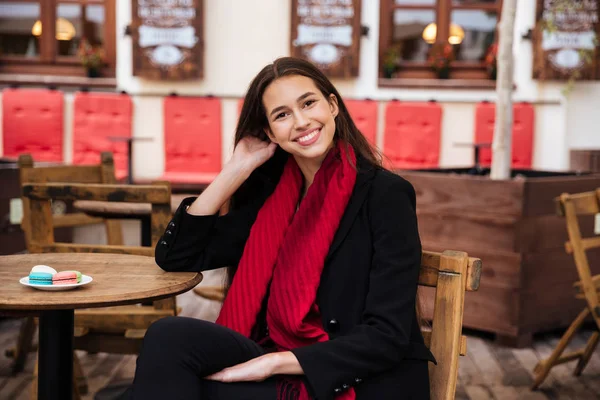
[288,249]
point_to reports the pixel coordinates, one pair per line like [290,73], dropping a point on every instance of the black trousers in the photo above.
[178,352]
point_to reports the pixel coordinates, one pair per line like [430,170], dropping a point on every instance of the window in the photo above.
[409,29]
[43,37]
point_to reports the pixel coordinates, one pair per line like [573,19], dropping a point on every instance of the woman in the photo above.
[324,254]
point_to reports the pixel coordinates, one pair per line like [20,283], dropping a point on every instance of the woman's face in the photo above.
[301,119]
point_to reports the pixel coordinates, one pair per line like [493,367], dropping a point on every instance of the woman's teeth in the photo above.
[308,137]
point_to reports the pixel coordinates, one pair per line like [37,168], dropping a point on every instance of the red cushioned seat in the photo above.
[98,116]
[412,135]
[192,139]
[522,139]
[32,122]
[364,115]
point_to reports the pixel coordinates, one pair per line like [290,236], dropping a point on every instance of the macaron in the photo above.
[78,275]
[43,268]
[64,278]
[40,278]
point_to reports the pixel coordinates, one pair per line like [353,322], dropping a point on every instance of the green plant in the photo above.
[390,61]
[91,57]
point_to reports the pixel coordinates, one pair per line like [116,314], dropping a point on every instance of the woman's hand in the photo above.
[256,370]
[251,152]
[260,368]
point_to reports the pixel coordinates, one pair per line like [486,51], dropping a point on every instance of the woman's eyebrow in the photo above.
[277,109]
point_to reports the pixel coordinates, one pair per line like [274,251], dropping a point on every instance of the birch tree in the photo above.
[502,144]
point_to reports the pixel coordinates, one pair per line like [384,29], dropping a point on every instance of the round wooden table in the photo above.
[117,280]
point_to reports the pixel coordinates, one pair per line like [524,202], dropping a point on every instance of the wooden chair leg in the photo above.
[587,353]
[24,344]
[542,369]
[114,233]
[34,385]
[79,379]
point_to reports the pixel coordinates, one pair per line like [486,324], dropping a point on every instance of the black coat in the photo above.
[367,291]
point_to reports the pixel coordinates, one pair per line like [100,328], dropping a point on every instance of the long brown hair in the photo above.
[253,117]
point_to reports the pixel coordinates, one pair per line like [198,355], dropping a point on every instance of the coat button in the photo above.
[337,390]
[168,232]
[345,386]
[333,325]
[171,224]
[163,243]
[357,380]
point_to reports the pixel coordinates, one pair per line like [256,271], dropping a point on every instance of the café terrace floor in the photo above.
[487,372]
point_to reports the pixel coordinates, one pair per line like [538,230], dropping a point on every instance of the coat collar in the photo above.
[364,178]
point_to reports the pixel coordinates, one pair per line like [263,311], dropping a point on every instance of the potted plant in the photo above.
[491,61]
[441,55]
[390,62]
[92,58]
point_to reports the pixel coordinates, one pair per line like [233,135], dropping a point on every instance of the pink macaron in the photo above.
[64,278]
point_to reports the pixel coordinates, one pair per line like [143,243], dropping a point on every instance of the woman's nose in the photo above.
[300,121]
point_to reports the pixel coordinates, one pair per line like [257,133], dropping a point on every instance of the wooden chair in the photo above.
[112,329]
[572,206]
[28,172]
[451,273]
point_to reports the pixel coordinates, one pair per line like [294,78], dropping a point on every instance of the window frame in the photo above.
[50,63]
[466,71]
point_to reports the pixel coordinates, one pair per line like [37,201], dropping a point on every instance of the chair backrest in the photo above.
[192,127]
[364,115]
[522,137]
[572,206]
[412,134]
[451,273]
[41,236]
[96,117]
[32,122]
[104,172]
[40,196]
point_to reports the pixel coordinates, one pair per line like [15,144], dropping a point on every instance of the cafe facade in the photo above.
[373,50]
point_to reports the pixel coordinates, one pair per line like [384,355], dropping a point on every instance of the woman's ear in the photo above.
[333,105]
[270,135]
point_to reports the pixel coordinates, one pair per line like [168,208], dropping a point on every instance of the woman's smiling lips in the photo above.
[309,138]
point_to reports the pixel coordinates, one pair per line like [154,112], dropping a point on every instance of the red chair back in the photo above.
[192,139]
[364,115]
[97,117]
[412,135]
[522,139]
[32,122]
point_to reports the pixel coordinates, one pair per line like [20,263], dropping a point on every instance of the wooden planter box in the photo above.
[526,282]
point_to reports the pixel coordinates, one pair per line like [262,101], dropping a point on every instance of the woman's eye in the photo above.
[309,102]
[280,115]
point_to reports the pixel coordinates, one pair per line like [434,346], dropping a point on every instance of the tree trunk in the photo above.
[502,144]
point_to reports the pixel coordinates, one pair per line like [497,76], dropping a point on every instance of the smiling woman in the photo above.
[323,253]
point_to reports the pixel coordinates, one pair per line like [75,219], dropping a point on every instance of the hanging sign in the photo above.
[327,33]
[566,39]
[167,39]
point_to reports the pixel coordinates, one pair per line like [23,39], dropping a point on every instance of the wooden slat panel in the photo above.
[86,248]
[447,324]
[75,219]
[584,203]
[430,266]
[81,174]
[157,194]
[588,243]
[119,319]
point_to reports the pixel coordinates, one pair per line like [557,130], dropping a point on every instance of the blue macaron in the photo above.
[40,278]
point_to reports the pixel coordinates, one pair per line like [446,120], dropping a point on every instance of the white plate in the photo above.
[85,279]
